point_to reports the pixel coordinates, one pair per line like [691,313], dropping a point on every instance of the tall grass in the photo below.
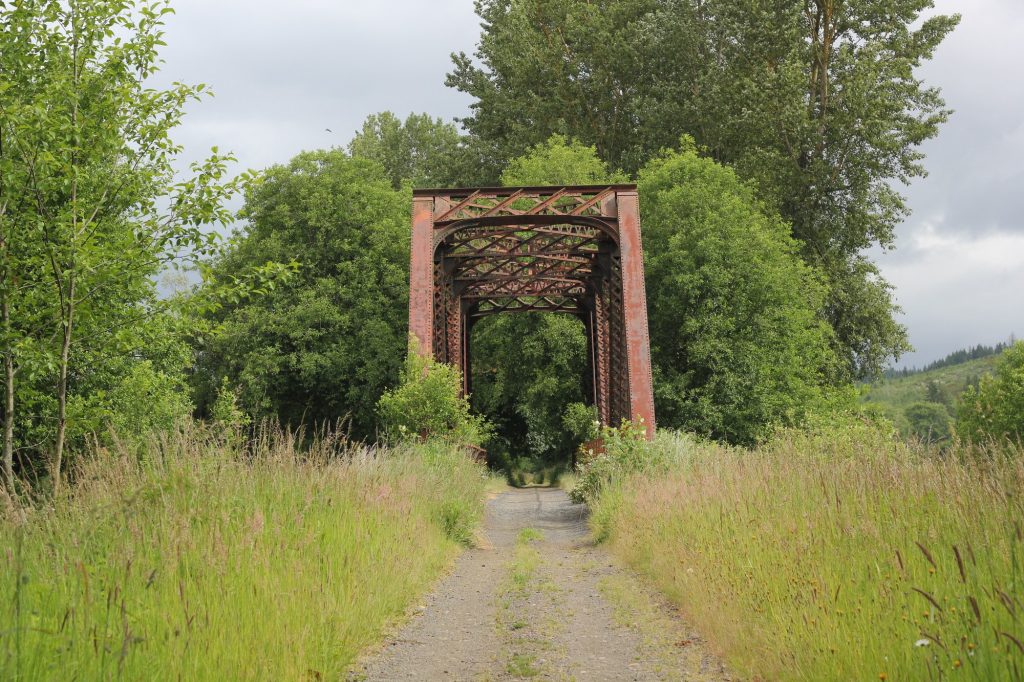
[196,562]
[843,557]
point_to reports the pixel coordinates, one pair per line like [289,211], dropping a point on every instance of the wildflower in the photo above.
[922,642]
[957,663]
[883,676]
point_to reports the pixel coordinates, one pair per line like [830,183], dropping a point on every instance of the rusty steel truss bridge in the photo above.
[568,250]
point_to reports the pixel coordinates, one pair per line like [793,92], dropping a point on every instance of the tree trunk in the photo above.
[8,448]
[62,385]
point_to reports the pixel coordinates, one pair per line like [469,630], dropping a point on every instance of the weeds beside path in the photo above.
[818,557]
[197,563]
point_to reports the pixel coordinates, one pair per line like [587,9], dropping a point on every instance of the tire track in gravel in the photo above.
[537,600]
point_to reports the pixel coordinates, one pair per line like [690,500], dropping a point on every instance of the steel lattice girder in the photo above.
[569,250]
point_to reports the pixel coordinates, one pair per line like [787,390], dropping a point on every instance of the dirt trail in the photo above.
[537,600]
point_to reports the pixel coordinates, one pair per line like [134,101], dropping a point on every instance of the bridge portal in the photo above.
[568,250]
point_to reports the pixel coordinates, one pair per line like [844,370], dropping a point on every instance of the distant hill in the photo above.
[942,384]
[955,358]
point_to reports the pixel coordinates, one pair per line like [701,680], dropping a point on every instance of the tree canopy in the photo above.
[324,345]
[815,102]
[736,341]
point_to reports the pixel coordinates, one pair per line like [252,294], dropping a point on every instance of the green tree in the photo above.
[928,421]
[85,159]
[936,392]
[420,150]
[736,342]
[548,67]
[325,344]
[994,411]
[428,403]
[815,101]
[527,369]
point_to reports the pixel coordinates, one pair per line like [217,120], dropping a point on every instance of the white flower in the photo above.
[922,642]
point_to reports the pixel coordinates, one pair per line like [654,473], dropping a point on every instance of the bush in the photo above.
[580,420]
[428,404]
[994,411]
[225,411]
[626,452]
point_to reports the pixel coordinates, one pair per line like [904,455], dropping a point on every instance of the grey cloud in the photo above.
[958,267]
[284,72]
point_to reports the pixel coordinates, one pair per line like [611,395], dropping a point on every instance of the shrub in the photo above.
[927,421]
[226,412]
[626,451]
[429,403]
[580,420]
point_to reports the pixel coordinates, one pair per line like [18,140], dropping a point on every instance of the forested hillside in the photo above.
[925,403]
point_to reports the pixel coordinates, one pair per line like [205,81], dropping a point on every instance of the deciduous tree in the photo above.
[325,344]
[815,101]
[736,341]
[994,410]
[92,208]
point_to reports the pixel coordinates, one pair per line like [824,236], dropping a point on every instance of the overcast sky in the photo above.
[304,74]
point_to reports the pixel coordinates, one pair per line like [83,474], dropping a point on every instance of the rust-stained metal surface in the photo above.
[569,250]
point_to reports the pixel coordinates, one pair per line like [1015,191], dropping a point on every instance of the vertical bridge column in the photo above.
[421,275]
[634,300]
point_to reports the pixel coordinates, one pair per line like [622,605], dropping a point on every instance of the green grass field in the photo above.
[196,563]
[839,557]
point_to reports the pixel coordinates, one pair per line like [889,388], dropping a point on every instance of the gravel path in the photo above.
[537,600]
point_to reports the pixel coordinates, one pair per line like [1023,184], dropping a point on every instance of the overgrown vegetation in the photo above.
[831,554]
[196,560]
[91,211]
[429,404]
[829,549]
[324,345]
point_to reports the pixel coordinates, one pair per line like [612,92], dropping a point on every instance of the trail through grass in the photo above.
[197,563]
